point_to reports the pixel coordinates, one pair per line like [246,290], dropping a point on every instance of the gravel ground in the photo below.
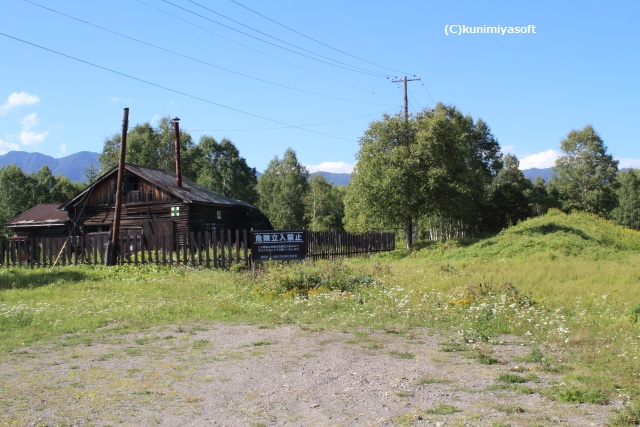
[240,375]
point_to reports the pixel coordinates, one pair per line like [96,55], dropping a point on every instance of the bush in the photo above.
[300,279]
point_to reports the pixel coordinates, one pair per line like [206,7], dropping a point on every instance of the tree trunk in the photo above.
[408,233]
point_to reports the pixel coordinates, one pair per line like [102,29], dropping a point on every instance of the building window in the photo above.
[132,183]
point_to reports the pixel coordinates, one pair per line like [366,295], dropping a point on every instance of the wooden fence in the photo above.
[207,249]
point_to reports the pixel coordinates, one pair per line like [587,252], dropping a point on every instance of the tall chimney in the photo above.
[176,139]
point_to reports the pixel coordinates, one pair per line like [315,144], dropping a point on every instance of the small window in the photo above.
[219,214]
[132,183]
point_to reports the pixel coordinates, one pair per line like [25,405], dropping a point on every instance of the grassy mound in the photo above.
[556,233]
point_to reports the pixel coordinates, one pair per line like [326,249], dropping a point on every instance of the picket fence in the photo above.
[218,249]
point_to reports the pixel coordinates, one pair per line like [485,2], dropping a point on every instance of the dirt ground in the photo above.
[242,375]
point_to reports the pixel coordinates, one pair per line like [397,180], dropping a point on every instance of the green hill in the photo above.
[555,233]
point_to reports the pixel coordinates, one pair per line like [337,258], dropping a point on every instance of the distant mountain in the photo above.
[336,179]
[75,165]
[72,166]
[533,173]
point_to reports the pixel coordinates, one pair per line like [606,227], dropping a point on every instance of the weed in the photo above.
[404,393]
[575,395]
[629,415]
[511,378]
[442,409]
[510,409]
[402,355]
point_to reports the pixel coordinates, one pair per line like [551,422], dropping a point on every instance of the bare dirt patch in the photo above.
[239,375]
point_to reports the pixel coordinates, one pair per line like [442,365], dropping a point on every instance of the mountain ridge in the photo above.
[75,165]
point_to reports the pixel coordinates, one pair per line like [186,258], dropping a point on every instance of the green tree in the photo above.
[220,168]
[437,164]
[385,187]
[92,173]
[324,205]
[541,197]
[628,211]
[282,190]
[16,193]
[585,176]
[508,196]
[151,147]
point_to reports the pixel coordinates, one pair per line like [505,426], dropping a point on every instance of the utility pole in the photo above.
[112,245]
[406,98]
[408,226]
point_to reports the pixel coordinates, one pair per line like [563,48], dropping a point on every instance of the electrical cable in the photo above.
[317,41]
[195,59]
[259,51]
[173,90]
[349,68]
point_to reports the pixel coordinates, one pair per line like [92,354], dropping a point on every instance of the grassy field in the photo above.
[568,284]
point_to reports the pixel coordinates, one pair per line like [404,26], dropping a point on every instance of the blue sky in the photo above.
[313,75]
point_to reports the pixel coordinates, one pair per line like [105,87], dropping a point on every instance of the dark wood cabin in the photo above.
[156,207]
[43,220]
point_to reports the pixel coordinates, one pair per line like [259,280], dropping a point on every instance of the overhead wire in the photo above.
[195,59]
[336,64]
[174,90]
[278,128]
[315,73]
[315,40]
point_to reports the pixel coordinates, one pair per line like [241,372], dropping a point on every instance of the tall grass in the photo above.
[568,282]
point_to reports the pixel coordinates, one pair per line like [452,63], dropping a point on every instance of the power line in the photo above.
[173,90]
[195,59]
[315,40]
[345,66]
[261,52]
[278,128]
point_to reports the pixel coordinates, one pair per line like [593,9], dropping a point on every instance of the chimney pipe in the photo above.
[176,139]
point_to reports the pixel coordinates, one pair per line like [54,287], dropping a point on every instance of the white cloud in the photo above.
[115,99]
[333,167]
[18,99]
[29,121]
[30,138]
[628,163]
[541,160]
[5,147]
[63,150]
[507,149]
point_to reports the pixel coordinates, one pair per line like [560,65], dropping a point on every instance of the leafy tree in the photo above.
[508,195]
[92,173]
[437,164]
[541,197]
[220,168]
[282,190]
[324,205]
[20,192]
[385,187]
[16,195]
[585,176]
[628,211]
[151,147]
[63,189]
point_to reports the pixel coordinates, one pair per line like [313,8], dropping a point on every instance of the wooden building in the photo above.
[155,204]
[43,220]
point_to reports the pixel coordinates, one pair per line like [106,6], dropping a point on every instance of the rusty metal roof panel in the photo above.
[190,192]
[45,214]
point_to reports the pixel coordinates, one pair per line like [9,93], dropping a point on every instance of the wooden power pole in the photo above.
[408,226]
[112,245]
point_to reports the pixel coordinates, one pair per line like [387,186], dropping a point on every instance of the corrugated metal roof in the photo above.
[190,192]
[45,214]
